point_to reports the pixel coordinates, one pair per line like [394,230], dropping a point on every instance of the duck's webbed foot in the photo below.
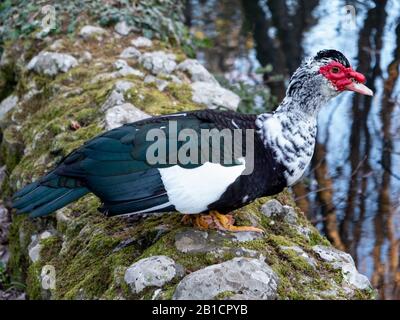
[218,221]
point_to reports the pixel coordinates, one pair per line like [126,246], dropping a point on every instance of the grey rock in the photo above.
[72,93]
[243,252]
[85,57]
[344,262]
[57,45]
[158,62]
[196,71]
[116,96]
[141,42]
[154,271]
[160,83]
[4,255]
[122,28]
[301,253]
[174,79]
[7,104]
[42,34]
[156,294]
[246,236]
[32,91]
[274,209]
[123,85]
[34,253]
[124,69]
[104,76]
[252,278]
[5,223]
[193,241]
[237,296]
[88,32]
[2,173]
[35,246]
[214,96]
[290,215]
[62,216]
[52,63]
[130,53]
[122,114]
[12,294]
[197,241]
[304,231]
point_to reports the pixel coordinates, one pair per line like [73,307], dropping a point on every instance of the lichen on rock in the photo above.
[214,96]
[7,104]
[158,62]
[90,32]
[52,63]
[155,271]
[252,279]
[141,42]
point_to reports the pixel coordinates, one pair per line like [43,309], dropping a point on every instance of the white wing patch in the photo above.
[192,190]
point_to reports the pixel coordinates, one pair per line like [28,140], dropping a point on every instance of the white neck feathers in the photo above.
[291,136]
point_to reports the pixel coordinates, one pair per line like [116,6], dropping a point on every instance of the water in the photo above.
[352,190]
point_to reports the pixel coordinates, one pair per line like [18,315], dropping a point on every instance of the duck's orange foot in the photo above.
[216,220]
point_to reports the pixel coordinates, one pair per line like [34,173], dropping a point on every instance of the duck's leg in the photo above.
[201,221]
[216,220]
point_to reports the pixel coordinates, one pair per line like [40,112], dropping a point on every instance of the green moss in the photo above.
[278,240]
[337,274]
[320,284]
[367,294]
[169,291]
[317,239]
[33,282]
[298,262]
[192,262]
[21,230]
[11,147]
[86,116]
[225,295]
[85,264]
[181,92]
[176,98]
[50,247]
[71,140]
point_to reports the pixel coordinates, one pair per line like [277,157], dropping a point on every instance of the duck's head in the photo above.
[321,78]
[339,75]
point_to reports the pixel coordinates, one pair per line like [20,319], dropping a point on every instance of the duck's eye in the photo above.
[335,70]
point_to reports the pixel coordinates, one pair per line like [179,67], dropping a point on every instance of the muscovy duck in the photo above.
[115,165]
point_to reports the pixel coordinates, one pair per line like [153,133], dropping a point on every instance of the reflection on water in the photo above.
[352,191]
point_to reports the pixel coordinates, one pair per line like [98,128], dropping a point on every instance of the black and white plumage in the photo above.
[114,167]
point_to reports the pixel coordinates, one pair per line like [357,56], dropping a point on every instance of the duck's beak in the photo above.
[357,83]
[360,88]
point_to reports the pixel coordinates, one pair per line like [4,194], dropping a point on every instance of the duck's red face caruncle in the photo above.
[343,78]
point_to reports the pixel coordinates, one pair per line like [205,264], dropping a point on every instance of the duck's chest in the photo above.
[292,142]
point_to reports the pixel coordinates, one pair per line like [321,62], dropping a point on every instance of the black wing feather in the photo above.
[113,165]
